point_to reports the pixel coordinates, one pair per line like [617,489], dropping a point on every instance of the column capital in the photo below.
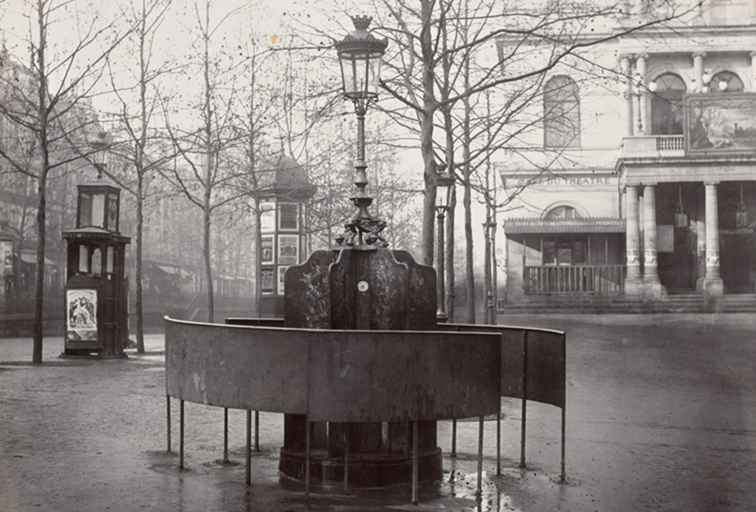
[711,183]
[700,54]
[642,55]
[753,53]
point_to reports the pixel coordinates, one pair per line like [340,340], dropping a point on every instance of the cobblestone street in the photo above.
[661,416]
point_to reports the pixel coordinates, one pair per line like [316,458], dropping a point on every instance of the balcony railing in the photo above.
[575,279]
[653,146]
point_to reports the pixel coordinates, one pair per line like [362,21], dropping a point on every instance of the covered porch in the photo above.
[565,257]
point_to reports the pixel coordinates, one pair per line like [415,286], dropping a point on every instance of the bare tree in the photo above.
[44,101]
[437,69]
[206,175]
[140,144]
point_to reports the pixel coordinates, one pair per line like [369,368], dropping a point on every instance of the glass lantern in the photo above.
[360,56]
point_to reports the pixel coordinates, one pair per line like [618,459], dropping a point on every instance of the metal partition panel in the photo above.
[511,353]
[546,361]
[332,375]
[404,375]
[237,367]
[546,367]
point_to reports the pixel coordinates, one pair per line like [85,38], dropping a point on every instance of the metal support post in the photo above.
[524,414]
[454,438]
[225,435]
[308,429]
[181,434]
[346,457]
[415,461]
[168,422]
[479,491]
[498,442]
[248,452]
[257,431]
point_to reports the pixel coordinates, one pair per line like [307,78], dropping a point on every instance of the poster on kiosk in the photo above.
[81,315]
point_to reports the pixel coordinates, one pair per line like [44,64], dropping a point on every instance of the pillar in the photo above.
[753,71]
[640,67]
[651,282]
[628,94]
[712,285]
[698,71]
[633,284]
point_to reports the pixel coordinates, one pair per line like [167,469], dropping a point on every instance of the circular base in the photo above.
[366,469]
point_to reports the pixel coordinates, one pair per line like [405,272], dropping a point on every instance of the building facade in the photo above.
[653,187]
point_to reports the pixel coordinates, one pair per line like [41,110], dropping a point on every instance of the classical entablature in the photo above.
[710,168]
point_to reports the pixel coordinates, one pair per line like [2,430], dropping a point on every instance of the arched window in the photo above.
[666,105]
[726,81]
[563,212]
[561,113]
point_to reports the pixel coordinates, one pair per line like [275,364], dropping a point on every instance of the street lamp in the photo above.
[638,91]
[444,183]
[100,156]
[360,55]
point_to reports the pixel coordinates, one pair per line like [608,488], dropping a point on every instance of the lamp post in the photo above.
[360,55]
[444,182]
[100,156]
[638,92]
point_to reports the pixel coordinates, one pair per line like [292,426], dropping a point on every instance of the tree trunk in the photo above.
[206,214]
[139,241]
[39,288]
[426,133]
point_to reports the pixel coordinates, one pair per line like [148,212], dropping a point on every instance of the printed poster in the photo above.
[81,315]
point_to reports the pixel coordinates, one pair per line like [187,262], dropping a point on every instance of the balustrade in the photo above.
[575,279]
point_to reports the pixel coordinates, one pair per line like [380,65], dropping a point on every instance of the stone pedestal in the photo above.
[360,288]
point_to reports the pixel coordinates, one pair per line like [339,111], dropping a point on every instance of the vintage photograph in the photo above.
[378,255]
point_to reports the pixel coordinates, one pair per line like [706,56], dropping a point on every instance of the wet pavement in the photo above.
[661,416]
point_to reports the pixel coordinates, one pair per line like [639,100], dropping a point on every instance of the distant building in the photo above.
[643,182]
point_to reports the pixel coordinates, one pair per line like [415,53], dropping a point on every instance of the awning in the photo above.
[581,225]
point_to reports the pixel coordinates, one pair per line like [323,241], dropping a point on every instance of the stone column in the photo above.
[628,94]
[753,71]
[651,282]
[633,284]
[640,67]
[698,70]
[712,285]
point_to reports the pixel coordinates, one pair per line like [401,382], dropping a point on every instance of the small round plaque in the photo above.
[362,286]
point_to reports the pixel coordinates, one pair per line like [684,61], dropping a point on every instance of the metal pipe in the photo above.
[308,428]
[415,461]
[563,478]
[524,397]
[181,434]
[454,438]
[249,448]
[168,421]
[257,431]
[346,457]
[479,491]
[498,442]
[225,435]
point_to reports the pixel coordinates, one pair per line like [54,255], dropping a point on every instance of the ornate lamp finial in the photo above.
[361,22]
